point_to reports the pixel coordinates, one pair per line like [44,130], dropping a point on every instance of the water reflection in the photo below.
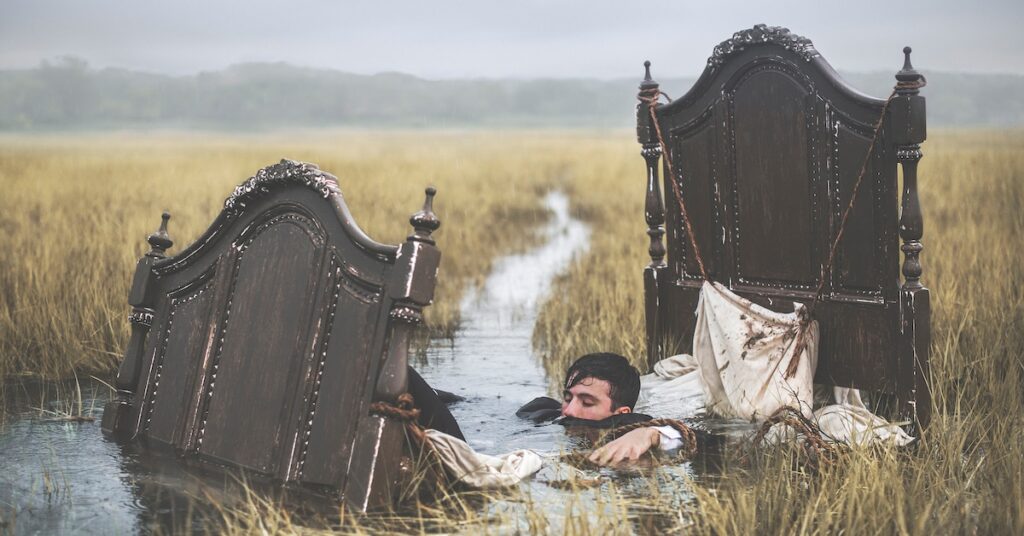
[58,476]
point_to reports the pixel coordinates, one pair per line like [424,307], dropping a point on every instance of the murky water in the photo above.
[60,476]
[491,362]
[64,477]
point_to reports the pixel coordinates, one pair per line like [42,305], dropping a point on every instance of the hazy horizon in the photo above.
[523,40]
[59,60]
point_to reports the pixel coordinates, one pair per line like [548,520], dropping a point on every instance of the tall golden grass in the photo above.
[967,474]
[74,214]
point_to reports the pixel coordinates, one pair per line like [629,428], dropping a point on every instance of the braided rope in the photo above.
[405,412]
[434,471]
[816,449]
[687,451]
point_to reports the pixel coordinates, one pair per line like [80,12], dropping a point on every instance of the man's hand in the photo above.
[630,446]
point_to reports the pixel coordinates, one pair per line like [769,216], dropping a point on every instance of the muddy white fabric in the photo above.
[740,354]
[849,421]
[743,351]
[482,471]
[673,389]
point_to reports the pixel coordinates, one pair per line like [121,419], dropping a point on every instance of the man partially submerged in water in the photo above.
[600,391]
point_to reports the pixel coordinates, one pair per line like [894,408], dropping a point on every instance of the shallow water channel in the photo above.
[491,361]
[58,476]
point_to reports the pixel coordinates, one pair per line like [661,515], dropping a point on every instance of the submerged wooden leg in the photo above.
[375,478]
[116,413]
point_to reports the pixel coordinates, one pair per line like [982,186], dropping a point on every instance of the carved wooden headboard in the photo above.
[766,148]
[262,345]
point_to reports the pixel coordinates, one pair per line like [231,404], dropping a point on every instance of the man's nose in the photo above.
[571,410]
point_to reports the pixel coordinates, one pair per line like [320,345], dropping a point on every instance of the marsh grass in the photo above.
[76,210]
[76,213]
[967,473]
[463,512]
[63,401]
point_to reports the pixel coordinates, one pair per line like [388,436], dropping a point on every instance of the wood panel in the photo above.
[253,387]
[694,148]
[175,373]
[774,224]
[325,457]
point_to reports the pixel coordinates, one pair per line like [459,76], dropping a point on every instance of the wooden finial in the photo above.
[906,59]
[425,221]
[648,82]
[160,241]
[909,80]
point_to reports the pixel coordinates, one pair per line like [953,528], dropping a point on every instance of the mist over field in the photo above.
[68,94]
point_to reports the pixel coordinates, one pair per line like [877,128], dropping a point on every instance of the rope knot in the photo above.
[404,411]
[652,96]
[406,402]
[912,84]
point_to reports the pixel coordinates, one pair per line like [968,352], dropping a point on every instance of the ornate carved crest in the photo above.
[760,34]
[304,173]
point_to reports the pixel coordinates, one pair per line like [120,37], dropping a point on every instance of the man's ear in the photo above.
[621,410]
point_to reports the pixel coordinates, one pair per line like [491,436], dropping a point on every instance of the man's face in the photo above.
[589,399]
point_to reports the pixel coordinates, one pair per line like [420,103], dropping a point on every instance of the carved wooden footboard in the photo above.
[262,345]
[766,148]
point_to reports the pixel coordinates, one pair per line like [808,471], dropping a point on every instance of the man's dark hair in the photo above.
[623,378]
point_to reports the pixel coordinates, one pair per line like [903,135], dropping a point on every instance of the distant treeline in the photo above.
[67,94]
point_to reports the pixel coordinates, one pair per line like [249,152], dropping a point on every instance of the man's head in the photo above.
[598,386]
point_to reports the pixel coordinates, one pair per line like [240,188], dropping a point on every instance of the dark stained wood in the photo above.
[262,345]
[654,214]
[766,148]
[909,132]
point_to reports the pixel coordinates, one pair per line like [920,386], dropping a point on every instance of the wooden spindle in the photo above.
[411,288]
[654,214]
[654,208]
[909,131]
[908,153]
[116,413]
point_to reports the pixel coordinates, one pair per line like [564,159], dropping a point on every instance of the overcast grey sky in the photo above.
[518,39]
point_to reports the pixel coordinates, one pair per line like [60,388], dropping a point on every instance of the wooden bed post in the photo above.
[654,213]
[908,118]
[370,484]
[141,298]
